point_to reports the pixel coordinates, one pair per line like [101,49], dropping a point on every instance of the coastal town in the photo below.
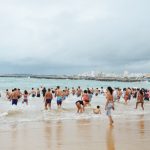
[98,76]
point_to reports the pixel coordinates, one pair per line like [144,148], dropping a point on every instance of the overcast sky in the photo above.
[65,36]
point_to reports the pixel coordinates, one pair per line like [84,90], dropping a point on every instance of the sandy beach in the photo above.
[77,134]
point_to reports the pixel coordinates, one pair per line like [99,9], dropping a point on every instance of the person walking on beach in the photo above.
[140,99]
[48,98]
[109,104]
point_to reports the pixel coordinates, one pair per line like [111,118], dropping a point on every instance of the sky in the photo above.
[71,37]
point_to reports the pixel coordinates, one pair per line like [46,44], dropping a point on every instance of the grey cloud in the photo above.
[74,36]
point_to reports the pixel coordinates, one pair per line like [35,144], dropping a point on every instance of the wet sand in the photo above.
[77,135]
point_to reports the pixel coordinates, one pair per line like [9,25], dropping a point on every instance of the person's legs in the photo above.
[111,120]
[136,105]
[45,105]
[142,105]
[49,105]
[14,102]
[78,107]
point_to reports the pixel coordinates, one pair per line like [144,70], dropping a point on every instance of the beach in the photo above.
[74,75]
[30,126]
[77,134]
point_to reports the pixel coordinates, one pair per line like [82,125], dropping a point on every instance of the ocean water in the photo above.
[35,112]
[28,83]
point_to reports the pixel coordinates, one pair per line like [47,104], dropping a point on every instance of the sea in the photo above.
[34,112]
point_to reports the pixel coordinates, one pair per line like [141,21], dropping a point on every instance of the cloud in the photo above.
[74,36]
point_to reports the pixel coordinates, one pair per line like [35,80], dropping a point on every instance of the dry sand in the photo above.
[77,135]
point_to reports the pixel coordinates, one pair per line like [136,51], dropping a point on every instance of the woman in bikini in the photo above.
[25,97]
[109,104]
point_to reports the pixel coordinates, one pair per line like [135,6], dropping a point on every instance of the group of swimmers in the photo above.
[85,97]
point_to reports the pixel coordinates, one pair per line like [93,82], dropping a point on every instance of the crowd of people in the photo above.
[84,96]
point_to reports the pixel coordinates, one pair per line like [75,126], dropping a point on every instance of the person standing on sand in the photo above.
[109,104]
[48,98]
[140,99]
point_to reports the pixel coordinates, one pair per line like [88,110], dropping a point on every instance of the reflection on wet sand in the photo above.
[59,136]
[14,136]
[78,135]
[48,135]
[141,126]
[110,139]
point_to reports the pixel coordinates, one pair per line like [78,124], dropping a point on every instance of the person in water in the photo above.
[119,94]
[59,95]
[33,92]
[109,104]
[73,91]
[38,93]
[97,110]
[79,91]
[140,99]
[126,96]
[25,97]
[85,98]
[19,93]
[14,97]
[48,98]
[80,106]
[8,94]
[44,91]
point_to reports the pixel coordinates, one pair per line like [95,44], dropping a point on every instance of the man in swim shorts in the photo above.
[59,95]
[48,98]
[14,97]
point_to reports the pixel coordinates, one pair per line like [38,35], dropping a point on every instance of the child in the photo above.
[97,110]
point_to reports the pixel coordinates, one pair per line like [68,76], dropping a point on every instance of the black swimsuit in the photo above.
[81,102]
